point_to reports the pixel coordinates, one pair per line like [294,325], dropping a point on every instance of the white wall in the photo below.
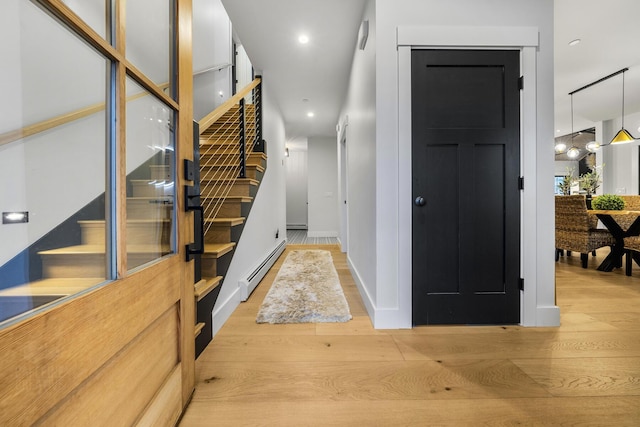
[561,167]
[266,218]
[323,187]
[621,163]
[244,69]
[212,48]
[358,120]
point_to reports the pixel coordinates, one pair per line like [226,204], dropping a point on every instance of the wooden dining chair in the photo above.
[576,229]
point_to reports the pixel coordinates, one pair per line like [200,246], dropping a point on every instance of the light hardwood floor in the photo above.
[585,372]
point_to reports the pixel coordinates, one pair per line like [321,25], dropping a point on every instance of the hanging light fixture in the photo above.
[560,147]
[592,146]
[574,151]
[623,136]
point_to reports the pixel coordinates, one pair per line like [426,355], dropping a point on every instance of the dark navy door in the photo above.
[466,168]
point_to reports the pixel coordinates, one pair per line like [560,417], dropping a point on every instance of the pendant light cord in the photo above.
[623,100]
[572,134]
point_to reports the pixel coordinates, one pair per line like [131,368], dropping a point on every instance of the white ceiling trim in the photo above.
[467,36]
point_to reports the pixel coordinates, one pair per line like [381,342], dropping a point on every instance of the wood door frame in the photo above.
[534,311]
[122,351]
[343,186]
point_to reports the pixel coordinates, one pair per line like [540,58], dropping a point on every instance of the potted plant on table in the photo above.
[608,202]
[590,182]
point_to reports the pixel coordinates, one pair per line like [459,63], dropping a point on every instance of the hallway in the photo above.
[585,372]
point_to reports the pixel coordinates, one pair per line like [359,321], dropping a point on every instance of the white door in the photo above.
[297,197]
[343,199]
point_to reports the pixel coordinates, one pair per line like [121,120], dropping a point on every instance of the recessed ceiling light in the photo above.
[303,39]
[310,114]
[574,42]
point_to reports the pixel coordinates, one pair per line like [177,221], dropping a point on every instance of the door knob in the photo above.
[420,201]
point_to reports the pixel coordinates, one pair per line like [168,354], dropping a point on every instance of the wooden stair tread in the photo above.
[226,139]
[231,222]
[232,167]
[162,201]
[206,285]
[242,199]
[53,286]
[244,181]
[129,221]
[149,180]
[218,249]
[198,329]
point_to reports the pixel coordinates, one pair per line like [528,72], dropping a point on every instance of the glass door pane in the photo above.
[150,177]
[149,40]
[52,162]
[93,12]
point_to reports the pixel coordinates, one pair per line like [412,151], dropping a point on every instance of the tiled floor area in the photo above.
[299,237]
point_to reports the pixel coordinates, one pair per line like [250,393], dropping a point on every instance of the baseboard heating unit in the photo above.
[251,280]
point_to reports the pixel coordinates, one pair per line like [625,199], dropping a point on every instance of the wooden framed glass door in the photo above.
[120,350]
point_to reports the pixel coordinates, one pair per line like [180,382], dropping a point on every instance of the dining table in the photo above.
[608,219]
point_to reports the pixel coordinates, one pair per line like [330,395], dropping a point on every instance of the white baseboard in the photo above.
[322,234]
[258,271]
[296,226]
[548,316]
[381,318]
[224,310]
[366,298]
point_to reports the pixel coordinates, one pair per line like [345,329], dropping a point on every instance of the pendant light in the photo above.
[574,151]
[623,136]
[592,146]
[560,147]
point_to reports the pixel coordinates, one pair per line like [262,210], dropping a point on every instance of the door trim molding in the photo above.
[538,299]
[467,37]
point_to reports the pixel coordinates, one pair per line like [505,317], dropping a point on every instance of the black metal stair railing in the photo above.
[227,137]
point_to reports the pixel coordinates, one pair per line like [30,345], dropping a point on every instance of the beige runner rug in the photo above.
[305,290]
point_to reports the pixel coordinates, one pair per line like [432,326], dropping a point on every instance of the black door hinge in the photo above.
[521,82]
[521,183]
[521,284]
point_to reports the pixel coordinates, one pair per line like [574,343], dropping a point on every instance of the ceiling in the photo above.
[609,34]
[301,78]
[314,76]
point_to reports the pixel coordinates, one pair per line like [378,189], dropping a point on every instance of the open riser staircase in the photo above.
[226,199]
[227,191]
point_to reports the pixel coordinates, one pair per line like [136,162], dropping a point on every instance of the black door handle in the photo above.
[420,201]
[198,225]
[192,203]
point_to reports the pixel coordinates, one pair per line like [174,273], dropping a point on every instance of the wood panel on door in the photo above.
[465,174]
